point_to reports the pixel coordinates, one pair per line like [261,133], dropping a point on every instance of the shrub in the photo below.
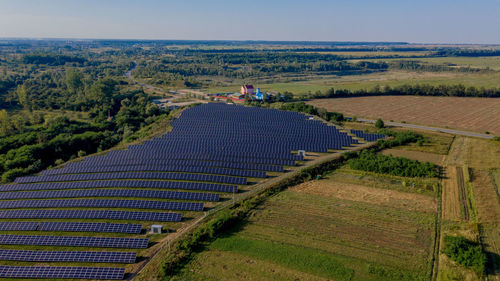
[397,166]
[379,124]
[399,138]
[465,252]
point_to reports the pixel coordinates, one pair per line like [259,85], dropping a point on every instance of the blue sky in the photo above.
[423,21]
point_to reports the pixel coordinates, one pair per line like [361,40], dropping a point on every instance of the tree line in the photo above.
[457,90]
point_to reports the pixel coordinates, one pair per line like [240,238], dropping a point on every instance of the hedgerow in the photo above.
[397,166]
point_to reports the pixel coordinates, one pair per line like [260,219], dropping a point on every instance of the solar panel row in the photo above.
[162,168]
[90,214]
[90,227]
[196,163]
[67,256]
[106,203]
[74,241]
[110,193]
[53,272]
[121,183]
[367,136]
[18,226]
[133,175]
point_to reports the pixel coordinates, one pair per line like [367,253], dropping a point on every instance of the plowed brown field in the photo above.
[469,114]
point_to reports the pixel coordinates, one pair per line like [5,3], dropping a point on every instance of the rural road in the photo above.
[427,128]
[128,75]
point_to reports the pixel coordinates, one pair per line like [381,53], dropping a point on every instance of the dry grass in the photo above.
[450,198]
[484,154]
[360,193]
[470,114]
[486,197]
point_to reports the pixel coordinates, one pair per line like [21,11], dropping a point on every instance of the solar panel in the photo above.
[156,168]
[121,183]
[107,203]
[90,227]
[90,214]
[67,256]
[110,193]
[74,241]
[18,226]
[133,175]
[52,272]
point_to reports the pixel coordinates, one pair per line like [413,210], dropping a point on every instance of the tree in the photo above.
[22,96]
[379,124]
[102,91]
[74,80]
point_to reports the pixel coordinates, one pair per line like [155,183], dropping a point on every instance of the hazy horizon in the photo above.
[428,22]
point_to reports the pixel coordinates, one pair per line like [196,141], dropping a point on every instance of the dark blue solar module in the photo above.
[18,226]
[74,241]
[67,256]
[192,163]
[160,168]
[138,193]
[90,227]
[66,272]
[133,175]
[367,136]
[106,203]
[90,214]
[121,183]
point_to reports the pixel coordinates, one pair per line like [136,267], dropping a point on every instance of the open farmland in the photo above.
[469,114]
[326,229]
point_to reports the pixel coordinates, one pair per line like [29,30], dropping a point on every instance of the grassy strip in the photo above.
[471,202]
[393,274]
[303,259]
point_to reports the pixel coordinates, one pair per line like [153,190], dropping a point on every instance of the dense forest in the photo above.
[56,105]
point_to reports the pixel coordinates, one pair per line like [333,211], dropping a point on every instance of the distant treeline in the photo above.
[410,90]
[245,65]
[307,49]
[467,53]
[419,66]
[51,59]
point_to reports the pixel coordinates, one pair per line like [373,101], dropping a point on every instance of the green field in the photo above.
[368,81]
[473,62]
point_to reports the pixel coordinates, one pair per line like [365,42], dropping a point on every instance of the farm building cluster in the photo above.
[246,92]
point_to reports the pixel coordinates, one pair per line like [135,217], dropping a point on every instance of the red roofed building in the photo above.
[247,89]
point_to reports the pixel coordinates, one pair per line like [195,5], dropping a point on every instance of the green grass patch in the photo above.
[304,259]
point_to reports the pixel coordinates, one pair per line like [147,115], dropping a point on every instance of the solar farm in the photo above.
[90,219]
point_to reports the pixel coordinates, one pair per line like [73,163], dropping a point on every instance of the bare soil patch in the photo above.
[360,193]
